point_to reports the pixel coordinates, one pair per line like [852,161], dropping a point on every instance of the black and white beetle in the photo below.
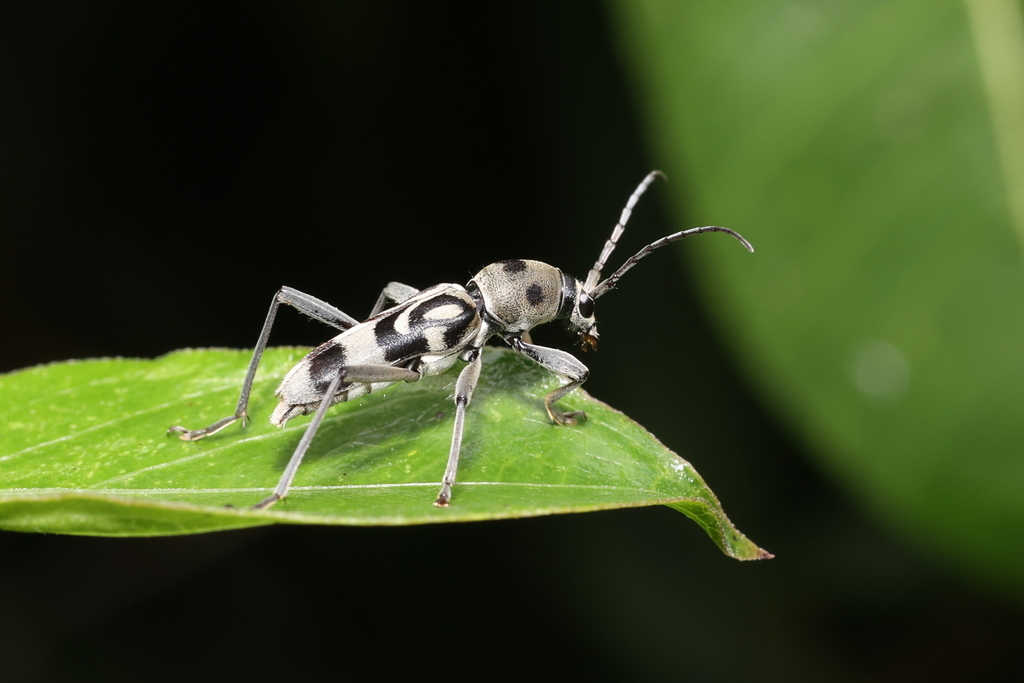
[427,331]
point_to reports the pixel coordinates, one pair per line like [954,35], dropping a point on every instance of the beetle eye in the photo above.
[586,305]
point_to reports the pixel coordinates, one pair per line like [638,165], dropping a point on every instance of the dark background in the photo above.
[165,167]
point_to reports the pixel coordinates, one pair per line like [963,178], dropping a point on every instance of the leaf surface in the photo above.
[85,452]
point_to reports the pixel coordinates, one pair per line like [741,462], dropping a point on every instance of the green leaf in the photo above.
[84,451]
[851,141]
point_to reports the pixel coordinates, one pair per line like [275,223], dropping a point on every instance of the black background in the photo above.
[165,167]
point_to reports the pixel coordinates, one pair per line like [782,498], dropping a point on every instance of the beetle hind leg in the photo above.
[350,373]
[304,303]
[186,434]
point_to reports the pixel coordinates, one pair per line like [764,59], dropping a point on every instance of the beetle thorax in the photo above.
[520,294]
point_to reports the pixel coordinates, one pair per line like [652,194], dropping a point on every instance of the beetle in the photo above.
[426,332]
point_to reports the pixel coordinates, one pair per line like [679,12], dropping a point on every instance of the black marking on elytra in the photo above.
[397,346]
[324,363]
[513,266]
[420,311]
[456,329]
[400,347]
[535,294]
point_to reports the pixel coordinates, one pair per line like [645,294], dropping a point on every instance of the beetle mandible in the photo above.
[425,332]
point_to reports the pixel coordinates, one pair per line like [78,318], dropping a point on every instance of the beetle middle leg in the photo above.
[464,387]
[394,292]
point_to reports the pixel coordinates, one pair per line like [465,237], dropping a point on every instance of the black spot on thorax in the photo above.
[514,266]
[535,294]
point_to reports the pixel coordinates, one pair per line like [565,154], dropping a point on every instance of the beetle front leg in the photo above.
[560,363]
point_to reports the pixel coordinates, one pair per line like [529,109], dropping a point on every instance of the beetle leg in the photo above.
[464,387]
[306,304]
[561,363]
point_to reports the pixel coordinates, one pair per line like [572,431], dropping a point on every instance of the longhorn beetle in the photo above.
[427,331]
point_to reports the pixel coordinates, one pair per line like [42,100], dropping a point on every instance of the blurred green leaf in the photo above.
[850,141]
[84,451]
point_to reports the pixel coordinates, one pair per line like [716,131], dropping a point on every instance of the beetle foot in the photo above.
[569,418]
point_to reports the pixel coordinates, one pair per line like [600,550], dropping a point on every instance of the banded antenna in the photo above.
[594,289]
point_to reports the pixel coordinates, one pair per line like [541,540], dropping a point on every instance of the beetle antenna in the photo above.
[613,279]
[595,273]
